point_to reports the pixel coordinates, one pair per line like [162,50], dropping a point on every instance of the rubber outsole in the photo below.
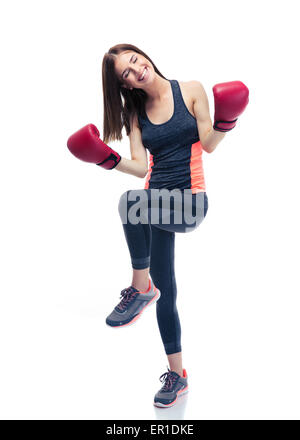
[179,394]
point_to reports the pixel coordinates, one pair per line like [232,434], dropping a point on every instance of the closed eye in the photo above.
[126,75]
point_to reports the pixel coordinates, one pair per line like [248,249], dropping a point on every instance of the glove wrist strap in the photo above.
[112,157]
[224,126]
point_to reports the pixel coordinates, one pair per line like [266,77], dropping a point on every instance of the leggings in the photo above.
[150,218]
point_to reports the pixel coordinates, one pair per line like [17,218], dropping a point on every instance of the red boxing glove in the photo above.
[86,145]
[231,99]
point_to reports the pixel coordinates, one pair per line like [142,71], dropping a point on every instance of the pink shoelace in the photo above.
[127,296]
[169,379]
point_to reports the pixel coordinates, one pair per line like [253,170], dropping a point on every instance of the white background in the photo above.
[64,259]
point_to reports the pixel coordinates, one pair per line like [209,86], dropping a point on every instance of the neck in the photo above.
[158,88]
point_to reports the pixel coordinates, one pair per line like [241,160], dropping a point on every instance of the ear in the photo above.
[126,87]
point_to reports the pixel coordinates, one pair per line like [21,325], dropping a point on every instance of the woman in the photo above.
[168,118]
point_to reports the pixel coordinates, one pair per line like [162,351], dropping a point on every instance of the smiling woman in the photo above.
[133,88]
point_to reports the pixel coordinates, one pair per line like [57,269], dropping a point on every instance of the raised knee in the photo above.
[123,202]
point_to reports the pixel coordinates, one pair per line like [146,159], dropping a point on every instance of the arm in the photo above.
[138,165]
[209,137]
[87,145]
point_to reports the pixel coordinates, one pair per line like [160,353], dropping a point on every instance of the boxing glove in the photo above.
[231,99]
[86,145]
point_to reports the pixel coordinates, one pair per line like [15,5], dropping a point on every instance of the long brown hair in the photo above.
[117,112]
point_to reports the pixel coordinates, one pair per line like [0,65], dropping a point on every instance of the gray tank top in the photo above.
[175,149]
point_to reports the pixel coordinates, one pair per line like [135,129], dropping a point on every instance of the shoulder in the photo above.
[134,121]
[195,89]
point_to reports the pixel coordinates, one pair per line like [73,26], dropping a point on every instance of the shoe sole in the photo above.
[179,394]
[153,300]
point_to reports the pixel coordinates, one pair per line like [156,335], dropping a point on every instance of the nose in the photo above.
[137,71]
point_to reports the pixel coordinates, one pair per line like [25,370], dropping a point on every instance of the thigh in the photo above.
[176,210]
[171,210]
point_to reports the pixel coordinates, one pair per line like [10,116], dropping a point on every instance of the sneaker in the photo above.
[132,305]
[174,386]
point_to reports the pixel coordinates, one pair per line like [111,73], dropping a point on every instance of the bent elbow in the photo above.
[143,174]
[208,150]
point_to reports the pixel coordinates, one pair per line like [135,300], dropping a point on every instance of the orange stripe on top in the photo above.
[196,167]
[149,171]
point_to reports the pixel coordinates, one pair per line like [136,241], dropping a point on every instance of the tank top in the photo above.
[175,150]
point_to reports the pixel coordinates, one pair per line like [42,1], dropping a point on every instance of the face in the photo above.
[133,70]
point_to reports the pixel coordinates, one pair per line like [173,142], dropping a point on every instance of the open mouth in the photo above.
[142,77]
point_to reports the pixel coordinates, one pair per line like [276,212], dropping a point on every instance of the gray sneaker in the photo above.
[174,386]
[132,305]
